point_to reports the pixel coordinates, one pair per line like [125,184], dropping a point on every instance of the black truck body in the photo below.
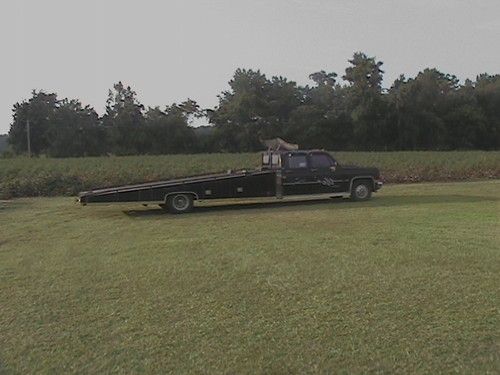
[282,174]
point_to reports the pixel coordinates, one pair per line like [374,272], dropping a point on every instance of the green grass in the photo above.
[21,177]
[405,283]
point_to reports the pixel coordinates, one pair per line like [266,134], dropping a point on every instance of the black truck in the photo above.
[283,174]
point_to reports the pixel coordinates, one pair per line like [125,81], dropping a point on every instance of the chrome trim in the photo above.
[120,203]
[312,182]
[272,198]
[301,183]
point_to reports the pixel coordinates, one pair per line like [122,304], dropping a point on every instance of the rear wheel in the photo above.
[180,203]
[361,190]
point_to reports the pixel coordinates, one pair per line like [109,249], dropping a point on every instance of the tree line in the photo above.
[432,111]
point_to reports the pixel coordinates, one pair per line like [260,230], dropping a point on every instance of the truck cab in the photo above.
[317,172]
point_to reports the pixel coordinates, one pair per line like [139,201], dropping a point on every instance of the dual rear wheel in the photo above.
[179,203]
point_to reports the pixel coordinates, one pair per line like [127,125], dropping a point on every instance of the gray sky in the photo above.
[168,50]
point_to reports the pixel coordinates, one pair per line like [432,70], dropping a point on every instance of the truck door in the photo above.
[296,175]
[323,169]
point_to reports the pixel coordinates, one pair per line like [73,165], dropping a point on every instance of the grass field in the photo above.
[406,283]
[22,177]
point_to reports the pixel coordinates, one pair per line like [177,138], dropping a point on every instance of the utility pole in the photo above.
[28,135]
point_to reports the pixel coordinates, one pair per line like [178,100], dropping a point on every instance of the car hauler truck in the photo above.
[283,173]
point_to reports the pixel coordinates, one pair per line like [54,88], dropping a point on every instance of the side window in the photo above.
[321,161]
[297,161]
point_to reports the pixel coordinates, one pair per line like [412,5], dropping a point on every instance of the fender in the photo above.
[362,178]
[181,192]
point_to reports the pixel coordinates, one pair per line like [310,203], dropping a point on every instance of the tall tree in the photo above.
[168,131]
[421,104]
[254,108]
[487,94]
[124,119]
[365,102]
[74,130]
[240,108]
[310,122]
[38,110]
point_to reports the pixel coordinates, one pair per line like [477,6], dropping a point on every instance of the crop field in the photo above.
[408,282]
[51,177]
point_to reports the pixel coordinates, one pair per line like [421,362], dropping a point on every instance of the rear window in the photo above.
[297,161]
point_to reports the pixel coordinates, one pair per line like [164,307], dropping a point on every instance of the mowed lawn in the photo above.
[408,282]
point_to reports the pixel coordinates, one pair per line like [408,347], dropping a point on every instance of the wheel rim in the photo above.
[361,191]
[180,202]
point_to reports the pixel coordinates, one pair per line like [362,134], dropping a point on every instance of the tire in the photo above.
[180,203]
[361,190]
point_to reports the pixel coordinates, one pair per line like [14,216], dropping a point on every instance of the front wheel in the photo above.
[361,191]
[180,203]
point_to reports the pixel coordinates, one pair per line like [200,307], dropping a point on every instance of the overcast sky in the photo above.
[168,50]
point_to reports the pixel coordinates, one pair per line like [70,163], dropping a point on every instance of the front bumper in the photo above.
[378,185]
